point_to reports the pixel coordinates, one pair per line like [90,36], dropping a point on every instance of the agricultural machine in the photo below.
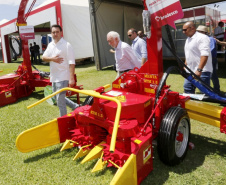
[118,126]
[23,81]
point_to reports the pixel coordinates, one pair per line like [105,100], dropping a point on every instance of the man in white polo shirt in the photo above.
[60,55]
[197,55]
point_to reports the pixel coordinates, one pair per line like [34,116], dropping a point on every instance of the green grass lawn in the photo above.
[206,164]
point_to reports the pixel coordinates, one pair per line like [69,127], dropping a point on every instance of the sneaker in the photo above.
[76,106]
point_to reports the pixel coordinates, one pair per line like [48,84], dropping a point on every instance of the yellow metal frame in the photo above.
[21,24]
[32,139]
[204,112]
[97,95]
[127,174]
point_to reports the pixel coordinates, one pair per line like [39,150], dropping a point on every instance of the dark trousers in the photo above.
[37,55]
[214,77]
[32,57]
[218,45]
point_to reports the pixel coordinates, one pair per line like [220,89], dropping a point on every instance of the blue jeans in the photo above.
[61,99]
[214,76]
[190,88]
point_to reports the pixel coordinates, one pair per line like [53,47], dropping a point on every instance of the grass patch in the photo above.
[203,165]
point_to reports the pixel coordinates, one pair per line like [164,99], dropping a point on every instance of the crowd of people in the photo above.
[200,53]
[35,53]
[127,57]
[200,56]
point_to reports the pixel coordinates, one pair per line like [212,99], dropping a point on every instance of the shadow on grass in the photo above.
[40,95]
[204,146]
[42,156]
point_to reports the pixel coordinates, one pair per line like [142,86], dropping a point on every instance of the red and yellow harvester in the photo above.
[118,126]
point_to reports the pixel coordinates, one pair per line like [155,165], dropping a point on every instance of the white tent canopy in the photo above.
[74,16]
[85,25]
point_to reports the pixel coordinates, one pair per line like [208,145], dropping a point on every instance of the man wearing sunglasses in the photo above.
[138,45]
[197,55]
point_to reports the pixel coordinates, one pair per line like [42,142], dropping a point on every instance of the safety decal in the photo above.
[121,98]
[147,103]
[96,114]
[147,154]
[148,90]
[114,93]
[8,94]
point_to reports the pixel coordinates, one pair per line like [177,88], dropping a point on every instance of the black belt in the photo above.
[125,70]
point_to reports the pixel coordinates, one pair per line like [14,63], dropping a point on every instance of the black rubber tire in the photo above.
[88,101]
[175,121]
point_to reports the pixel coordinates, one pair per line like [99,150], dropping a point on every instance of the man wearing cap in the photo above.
[197,55]
[213,47]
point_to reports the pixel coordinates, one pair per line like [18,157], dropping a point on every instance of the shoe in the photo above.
[76,106]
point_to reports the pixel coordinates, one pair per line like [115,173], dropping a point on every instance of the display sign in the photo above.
[164,12]
[27,32]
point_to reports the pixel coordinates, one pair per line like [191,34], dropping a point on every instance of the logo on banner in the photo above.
[164,12]
[27,32]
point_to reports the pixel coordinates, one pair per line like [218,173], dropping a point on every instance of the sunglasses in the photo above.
[185,29]
[129,35]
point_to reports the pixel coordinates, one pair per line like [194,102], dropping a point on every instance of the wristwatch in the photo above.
[199,70]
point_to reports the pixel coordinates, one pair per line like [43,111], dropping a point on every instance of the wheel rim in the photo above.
[182,136]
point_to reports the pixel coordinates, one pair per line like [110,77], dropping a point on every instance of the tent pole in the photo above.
[96,46]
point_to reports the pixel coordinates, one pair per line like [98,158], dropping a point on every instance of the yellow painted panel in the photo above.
[203,108]
[38,137]
[127,174]
[204,118]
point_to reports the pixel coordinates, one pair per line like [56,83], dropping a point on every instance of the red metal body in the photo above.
[140,118]
[136,89]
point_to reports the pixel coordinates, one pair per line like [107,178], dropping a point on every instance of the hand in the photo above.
[58,59]
[112,51]
[72,82]
[217,40]
[198,73]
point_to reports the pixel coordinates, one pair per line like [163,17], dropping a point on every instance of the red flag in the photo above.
[164,12]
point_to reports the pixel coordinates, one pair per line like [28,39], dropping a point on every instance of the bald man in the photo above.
[197,55]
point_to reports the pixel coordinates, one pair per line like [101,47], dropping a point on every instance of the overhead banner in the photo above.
[27,32]
[164,12]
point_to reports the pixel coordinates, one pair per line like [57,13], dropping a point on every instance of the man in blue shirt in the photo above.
[213,48]
[139,46]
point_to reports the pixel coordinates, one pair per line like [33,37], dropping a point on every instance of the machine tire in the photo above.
[88,101]
[174,135]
